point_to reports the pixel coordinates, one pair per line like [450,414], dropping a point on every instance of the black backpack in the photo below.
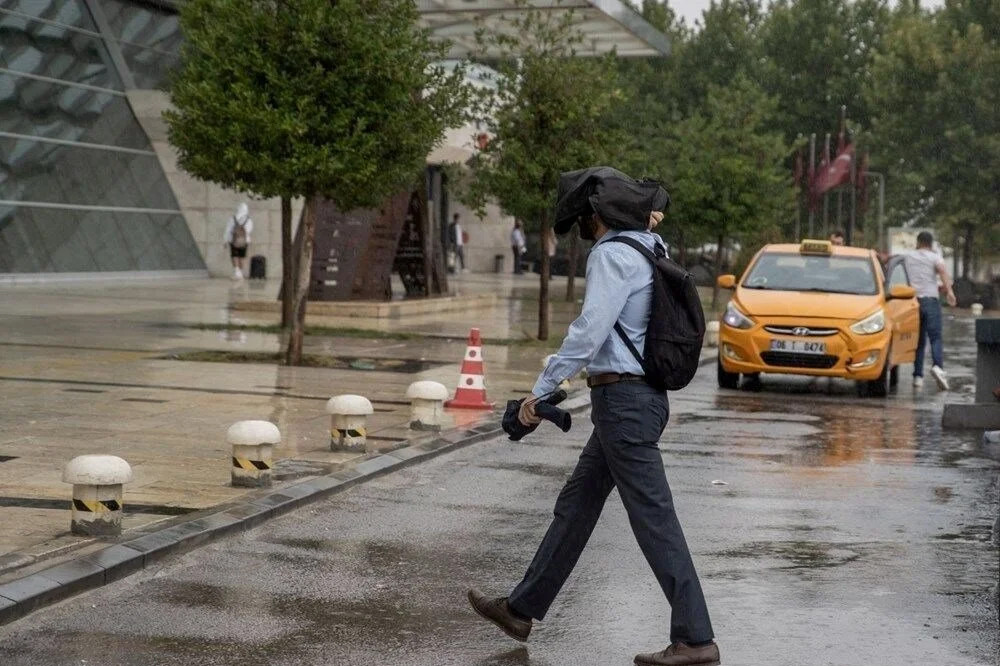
[676,326]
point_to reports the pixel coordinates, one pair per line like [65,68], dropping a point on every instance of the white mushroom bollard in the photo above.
[348,422]
[712,334]
[977,309]
[97,493]
[253,445]
[426,404]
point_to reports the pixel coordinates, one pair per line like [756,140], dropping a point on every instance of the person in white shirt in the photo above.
[518,245]
[456,236]
[924,266]
[237,238]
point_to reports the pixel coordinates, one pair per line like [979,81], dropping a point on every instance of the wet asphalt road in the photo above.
[849,532]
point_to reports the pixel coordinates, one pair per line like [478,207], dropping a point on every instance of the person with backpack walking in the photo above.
[237,238]
[629,303]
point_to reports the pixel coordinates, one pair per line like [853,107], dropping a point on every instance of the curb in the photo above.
[23,596]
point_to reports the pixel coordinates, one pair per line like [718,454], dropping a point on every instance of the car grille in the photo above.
[798,330]
[794,360]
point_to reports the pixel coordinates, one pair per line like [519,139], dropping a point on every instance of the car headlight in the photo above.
[873,323]
[736,319]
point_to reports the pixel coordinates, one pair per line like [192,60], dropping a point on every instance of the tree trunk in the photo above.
[571,265]
[287,263]
[682,253]
[293,353]
[543,284]
[967,251]
[718,271]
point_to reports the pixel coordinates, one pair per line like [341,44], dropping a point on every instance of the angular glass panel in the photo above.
[43,49]
[34,240]
[58,173]
[150,68]
[67,12]
[143,25]
[53,110]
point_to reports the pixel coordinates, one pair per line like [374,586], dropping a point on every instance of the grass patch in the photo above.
[363,333]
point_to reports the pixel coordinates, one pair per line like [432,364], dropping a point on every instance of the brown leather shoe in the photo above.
[498,612]
[681,654]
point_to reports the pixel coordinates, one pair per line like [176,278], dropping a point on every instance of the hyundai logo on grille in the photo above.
[800,330]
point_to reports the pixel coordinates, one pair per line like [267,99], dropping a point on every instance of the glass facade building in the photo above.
[81,189]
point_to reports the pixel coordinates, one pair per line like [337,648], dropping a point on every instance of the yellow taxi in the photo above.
[819,309]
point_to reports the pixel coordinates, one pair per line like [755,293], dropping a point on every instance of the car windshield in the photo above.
[809,272]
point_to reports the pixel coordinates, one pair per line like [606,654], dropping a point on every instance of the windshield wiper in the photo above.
[834,291]
[756,287]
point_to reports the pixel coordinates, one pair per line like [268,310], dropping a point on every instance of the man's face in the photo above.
[837,240]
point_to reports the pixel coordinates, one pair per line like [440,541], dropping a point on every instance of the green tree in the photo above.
[546,111]
[816,57]
[936,91]
[726,171]
[309,98]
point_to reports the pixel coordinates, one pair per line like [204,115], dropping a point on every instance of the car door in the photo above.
[903,312]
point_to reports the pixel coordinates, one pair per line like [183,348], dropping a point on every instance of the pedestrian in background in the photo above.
[924,266]
[837,237]
[629,416]
[518,245]
[457,238]
[237,237]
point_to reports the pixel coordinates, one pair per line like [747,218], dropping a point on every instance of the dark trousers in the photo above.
[517,260]
[622,453]
[930,330]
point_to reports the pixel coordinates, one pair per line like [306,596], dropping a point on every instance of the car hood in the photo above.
[763,303]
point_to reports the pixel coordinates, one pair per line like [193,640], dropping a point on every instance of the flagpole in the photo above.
[854,202]
[826,195]
[811,169]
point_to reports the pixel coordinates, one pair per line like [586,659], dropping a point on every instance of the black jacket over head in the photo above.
[622,202]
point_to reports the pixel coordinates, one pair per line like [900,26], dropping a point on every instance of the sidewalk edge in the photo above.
[23,596]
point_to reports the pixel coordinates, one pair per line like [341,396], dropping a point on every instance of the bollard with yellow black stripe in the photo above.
[98,493]
[349,422]
[253,445]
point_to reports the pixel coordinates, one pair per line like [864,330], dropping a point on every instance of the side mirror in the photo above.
[902,292]
[725,281]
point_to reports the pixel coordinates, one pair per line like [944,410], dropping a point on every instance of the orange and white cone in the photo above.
[471,391]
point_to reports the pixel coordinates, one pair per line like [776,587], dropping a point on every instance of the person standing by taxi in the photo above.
[924,267]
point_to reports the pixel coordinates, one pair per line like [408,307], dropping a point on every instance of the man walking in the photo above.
[517,245]
[237,238]
[628,416]
[924,266]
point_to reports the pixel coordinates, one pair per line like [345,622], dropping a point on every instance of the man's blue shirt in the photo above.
[619,288]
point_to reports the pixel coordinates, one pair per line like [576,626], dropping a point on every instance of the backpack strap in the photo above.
[652,257]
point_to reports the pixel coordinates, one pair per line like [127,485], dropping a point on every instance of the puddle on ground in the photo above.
[797,554]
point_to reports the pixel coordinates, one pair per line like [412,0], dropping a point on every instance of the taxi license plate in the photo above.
[798,346]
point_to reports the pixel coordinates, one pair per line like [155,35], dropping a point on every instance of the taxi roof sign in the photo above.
[816,247]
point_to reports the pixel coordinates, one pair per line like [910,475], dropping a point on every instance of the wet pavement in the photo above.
[843,532]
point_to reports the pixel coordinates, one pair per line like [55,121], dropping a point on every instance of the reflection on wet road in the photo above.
[844,532]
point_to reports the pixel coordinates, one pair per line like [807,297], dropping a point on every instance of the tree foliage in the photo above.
[937,91]
[546,111]
[309,98]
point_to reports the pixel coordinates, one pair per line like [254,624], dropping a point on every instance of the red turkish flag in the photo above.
[835,173]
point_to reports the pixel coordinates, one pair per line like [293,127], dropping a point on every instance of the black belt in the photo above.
[612,378]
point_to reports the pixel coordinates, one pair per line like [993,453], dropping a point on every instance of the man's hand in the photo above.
[654,219]
[951,298]
[527,414]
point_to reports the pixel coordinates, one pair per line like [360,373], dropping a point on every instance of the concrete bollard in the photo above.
[426,404]
[97,493]
[977,309]
[712,334]
[253,445]
[348,422]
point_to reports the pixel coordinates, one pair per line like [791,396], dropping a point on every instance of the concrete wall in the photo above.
[208,207]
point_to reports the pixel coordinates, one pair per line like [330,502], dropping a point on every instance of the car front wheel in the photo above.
[876,388]
[727,380]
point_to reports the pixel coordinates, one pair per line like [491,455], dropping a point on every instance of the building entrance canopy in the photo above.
[606,25]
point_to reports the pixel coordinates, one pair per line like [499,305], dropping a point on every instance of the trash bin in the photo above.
[498,263]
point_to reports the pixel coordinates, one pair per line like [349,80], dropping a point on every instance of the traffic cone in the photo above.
[471,391]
